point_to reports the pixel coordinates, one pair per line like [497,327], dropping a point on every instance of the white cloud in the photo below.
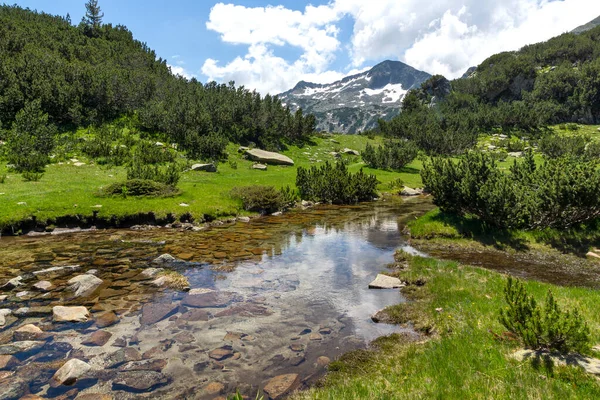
[179,70]
[441,36]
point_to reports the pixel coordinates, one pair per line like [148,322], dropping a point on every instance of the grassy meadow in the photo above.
[466,355]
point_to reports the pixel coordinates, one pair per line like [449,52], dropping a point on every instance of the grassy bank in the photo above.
[466,357]
[69,190]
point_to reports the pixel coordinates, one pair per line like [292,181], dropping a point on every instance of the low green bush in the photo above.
[140,188]
[263,199]
[393,155]
[555,146]
[29,176]
[333,183]
[168,175]
[2,178]
[561,193]
[547,328]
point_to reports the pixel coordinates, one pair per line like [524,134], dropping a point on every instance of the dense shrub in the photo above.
[140,188]
[555,146]
[168,175]
[149,153]
[547,328]
[211,147]
[560,193]
[263,199]
[333,183]
[393,155]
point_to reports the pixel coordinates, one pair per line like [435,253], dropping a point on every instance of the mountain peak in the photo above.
[356,102]
[590,25]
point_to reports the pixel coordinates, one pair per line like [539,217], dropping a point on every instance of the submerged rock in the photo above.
[385,282]
[70,314]
[139,381]
[155,312]
[69,373]
[221,353]
[84,285]
[5,312]
[211,299]
[108,318]
[24,346]
[122,356]
[282,385]
[98,338]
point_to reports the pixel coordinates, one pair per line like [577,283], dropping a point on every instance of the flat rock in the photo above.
[12,389]
[282,385]
[185,337]
[56,271]
[108,318]
[139,381]
[155,312]
[592,254]
[13,283]
[8,362]
[268,157]
[70,314]
[94,396]
[27,332]
[245,310]
[214,388]
[122,356]
[165,259]
[351,152]
[195,315]
[406,191]
[69,373]
[150,273]
[5,312]
[323,361]
[221,353]
[210,300]
[98,338]
[84,285]
[315,336]
[385,282]
[589,364]
[24,346]
[297,347]
[43,286]
[204,167]
[145,365]
[260,167]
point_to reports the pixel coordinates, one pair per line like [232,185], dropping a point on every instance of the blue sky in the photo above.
[271,45]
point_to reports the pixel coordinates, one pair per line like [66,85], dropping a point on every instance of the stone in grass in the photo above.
[282,385]
[589,364]
[260,167]
[204,167]
[385,282]
[69,373]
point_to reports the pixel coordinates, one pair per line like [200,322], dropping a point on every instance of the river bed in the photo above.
[275,296]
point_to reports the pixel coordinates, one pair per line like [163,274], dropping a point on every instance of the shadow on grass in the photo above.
[576,240]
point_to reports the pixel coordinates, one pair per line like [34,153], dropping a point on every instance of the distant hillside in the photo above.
[356,102]
[89,75]
[590,25]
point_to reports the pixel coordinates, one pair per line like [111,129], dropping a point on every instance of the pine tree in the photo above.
[68,18]
[93,15]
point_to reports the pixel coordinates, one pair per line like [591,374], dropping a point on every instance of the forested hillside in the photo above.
[557,81]
[91,74]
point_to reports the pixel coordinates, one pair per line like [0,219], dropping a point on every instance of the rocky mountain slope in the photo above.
[355,103]
[590,25]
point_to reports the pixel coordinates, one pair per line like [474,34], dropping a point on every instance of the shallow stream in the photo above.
[277,295]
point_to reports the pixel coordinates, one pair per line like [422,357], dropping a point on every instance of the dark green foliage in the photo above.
[210,148]
[168,175]
[555,146]
[30,140]
[2,178]
[30,176]
[149,153]
[263,199]
[561,193]
[546,328]
[333,183]
[96,73]
[140,187]
[393,155]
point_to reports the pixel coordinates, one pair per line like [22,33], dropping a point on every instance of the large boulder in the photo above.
[204,167]
[268,157]
[70,314]
[84,285]
[69,373]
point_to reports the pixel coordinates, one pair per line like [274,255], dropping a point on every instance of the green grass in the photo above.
[66,190]
[444,226]
[466,358]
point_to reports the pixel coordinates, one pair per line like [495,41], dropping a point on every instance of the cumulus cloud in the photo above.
[441,36]
[179,70]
